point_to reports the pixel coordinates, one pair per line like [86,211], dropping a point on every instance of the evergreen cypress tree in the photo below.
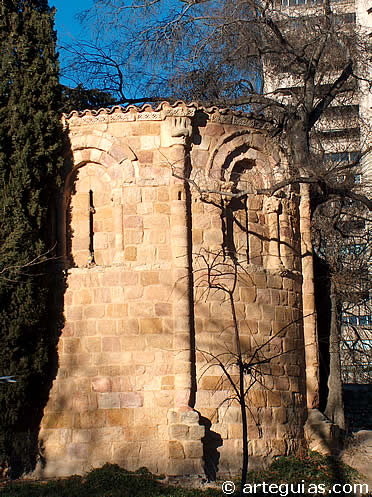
[80,98]
[30,171]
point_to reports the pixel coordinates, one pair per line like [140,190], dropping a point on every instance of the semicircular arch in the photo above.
[98,166]
[249,151]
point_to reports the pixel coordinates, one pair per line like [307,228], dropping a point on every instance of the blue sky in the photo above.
[66,23]
[65,19]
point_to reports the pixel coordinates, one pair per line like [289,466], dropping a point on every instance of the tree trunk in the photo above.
[335,405]
[244,429]
[298,141]
[241,398]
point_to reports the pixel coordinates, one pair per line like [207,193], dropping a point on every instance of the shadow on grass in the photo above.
[108,481]
[113,481]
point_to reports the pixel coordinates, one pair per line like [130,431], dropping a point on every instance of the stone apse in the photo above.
[142,221]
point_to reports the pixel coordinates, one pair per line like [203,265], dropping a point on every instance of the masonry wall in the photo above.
[137,384]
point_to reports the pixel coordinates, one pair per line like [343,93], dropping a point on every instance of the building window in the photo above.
[358,179]
[365,320]
[292,3]
[91,228]
[90,218]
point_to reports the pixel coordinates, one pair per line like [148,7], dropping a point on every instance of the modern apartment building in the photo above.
[341,135]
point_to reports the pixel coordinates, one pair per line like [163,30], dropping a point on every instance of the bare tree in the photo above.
[287,68]
[294,69]
[342,237]
[10,273]
[356,347]
[241,368]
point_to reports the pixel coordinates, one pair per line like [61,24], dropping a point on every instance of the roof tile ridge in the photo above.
[148,107]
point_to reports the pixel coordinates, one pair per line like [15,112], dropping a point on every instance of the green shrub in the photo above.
[113,481]
[312,468]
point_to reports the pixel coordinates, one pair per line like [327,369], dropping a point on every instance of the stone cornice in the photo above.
[163,110]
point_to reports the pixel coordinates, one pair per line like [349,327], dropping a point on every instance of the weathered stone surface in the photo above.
[127,369]
[131,399]
[189,417]
[176,450]
[108,400]
[179,431]
[196,432]
[193,450]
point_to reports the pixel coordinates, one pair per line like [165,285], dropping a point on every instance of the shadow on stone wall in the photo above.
[25,450]
[191,285]
[323,307]
[211,457]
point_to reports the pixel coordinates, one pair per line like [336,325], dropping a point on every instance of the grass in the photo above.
[108,481]
[312,468]
[113,481]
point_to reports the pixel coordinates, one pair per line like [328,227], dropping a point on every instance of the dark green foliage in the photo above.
[30,164]
[313,468]
[112,481]
[80,98]
[108,481]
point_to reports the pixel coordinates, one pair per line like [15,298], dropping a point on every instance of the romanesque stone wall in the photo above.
[261,234]
[137,384]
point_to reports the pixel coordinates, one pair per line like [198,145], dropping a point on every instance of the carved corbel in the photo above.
[175,131]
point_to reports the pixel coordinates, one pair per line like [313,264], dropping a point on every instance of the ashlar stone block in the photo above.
[179,431]
[175,450]
[151,325]
[108,400]
[102,385]
[131,399]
